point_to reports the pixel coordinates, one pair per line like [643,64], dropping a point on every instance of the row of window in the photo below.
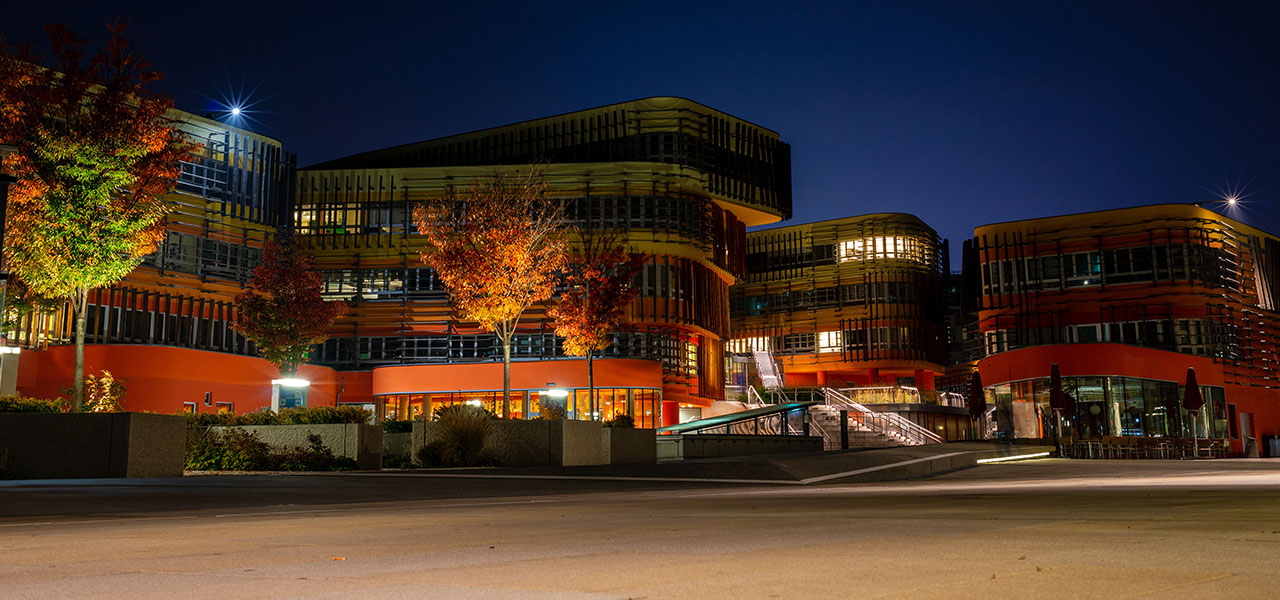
[390,283]
[1176,262]
[197,255]
[849,340]
[854,294]
[1105,406]
[678,355]
[1189,336]
[903,248]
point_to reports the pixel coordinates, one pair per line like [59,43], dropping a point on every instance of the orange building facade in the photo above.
[1125,302]
[851,302]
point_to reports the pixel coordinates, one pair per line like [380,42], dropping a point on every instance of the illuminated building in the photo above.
[1125,301]
[681,180]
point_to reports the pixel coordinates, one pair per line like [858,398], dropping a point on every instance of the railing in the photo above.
[889,424]
[785,419]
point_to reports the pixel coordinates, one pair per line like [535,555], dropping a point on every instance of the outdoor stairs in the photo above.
[770,378]
[827,419]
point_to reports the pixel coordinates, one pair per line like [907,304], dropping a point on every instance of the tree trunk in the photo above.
[77,386]
[506,377]
[591,385]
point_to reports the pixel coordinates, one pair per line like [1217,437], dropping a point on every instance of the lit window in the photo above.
[830,341]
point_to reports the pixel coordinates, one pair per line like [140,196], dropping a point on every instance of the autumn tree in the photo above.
[283,312]
[497,248]
[96,153]
[598,291]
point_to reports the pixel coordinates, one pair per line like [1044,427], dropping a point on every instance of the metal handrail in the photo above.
[887,423]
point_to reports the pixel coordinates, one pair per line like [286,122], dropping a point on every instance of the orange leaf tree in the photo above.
[96,153]
[283,311]
[598,291]
[497,248]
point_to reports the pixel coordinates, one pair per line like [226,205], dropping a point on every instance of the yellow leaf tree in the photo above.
[498,248]
[96,152]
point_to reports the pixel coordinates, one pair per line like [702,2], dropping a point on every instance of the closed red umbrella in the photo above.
[1191,398]
[1192,401]
[977,398]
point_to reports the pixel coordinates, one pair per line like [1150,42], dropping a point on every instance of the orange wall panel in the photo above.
[161,378]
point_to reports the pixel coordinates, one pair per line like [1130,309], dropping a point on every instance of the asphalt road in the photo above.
[1035,529]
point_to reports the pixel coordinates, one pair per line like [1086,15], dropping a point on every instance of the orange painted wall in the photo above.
[160,378]
[1097,359]
[620,372]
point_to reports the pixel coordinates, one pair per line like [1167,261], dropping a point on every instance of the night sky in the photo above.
[963,113]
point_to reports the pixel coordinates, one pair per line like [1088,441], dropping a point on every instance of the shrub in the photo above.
[230,450]
[621,421]
[315,456]
[464,433]
[104,393]
[396,461]
[552,410]
[17,403]
[390,425]
[320,415]
[240,450]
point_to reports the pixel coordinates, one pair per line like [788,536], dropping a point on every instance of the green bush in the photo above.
[229,450]
[396,461]
[397,426]
[315,456]
[621,421]
[239,450]
[320,415]
[20,404]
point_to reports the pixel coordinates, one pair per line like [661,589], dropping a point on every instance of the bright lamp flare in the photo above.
[557,393]
[291,382]
[235,111]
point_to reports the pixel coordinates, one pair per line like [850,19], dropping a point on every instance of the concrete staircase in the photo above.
[826,419]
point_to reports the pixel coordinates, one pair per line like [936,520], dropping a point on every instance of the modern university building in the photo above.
[1126,302]
[1123,301]
[682,180]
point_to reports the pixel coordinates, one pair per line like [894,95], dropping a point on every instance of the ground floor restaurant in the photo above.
[1124,392]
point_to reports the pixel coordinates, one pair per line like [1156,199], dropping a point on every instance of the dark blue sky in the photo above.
[961,113]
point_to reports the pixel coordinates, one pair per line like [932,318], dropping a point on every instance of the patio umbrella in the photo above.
[977,398]
[1059,400]
[1057,397]
[1192,400]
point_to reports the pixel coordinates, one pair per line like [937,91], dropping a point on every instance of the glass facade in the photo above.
[1105,406]
[642,404]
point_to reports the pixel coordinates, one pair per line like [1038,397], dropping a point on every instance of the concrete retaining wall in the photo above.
[357,441]
[397,444]
[626,446]
[716,446]
[561,443]
[63,446]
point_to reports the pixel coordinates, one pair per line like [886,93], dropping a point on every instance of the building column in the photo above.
[670,413]
[822,379]
[924,379]
[873,377]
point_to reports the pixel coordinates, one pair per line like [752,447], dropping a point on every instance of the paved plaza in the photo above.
[1035,529]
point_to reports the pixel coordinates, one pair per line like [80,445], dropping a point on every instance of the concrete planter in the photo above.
[91,445]
[533,443]
[626,446]
[357,441]
[397,444]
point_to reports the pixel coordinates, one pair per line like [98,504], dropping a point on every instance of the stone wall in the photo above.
[357,441]
[91,445]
